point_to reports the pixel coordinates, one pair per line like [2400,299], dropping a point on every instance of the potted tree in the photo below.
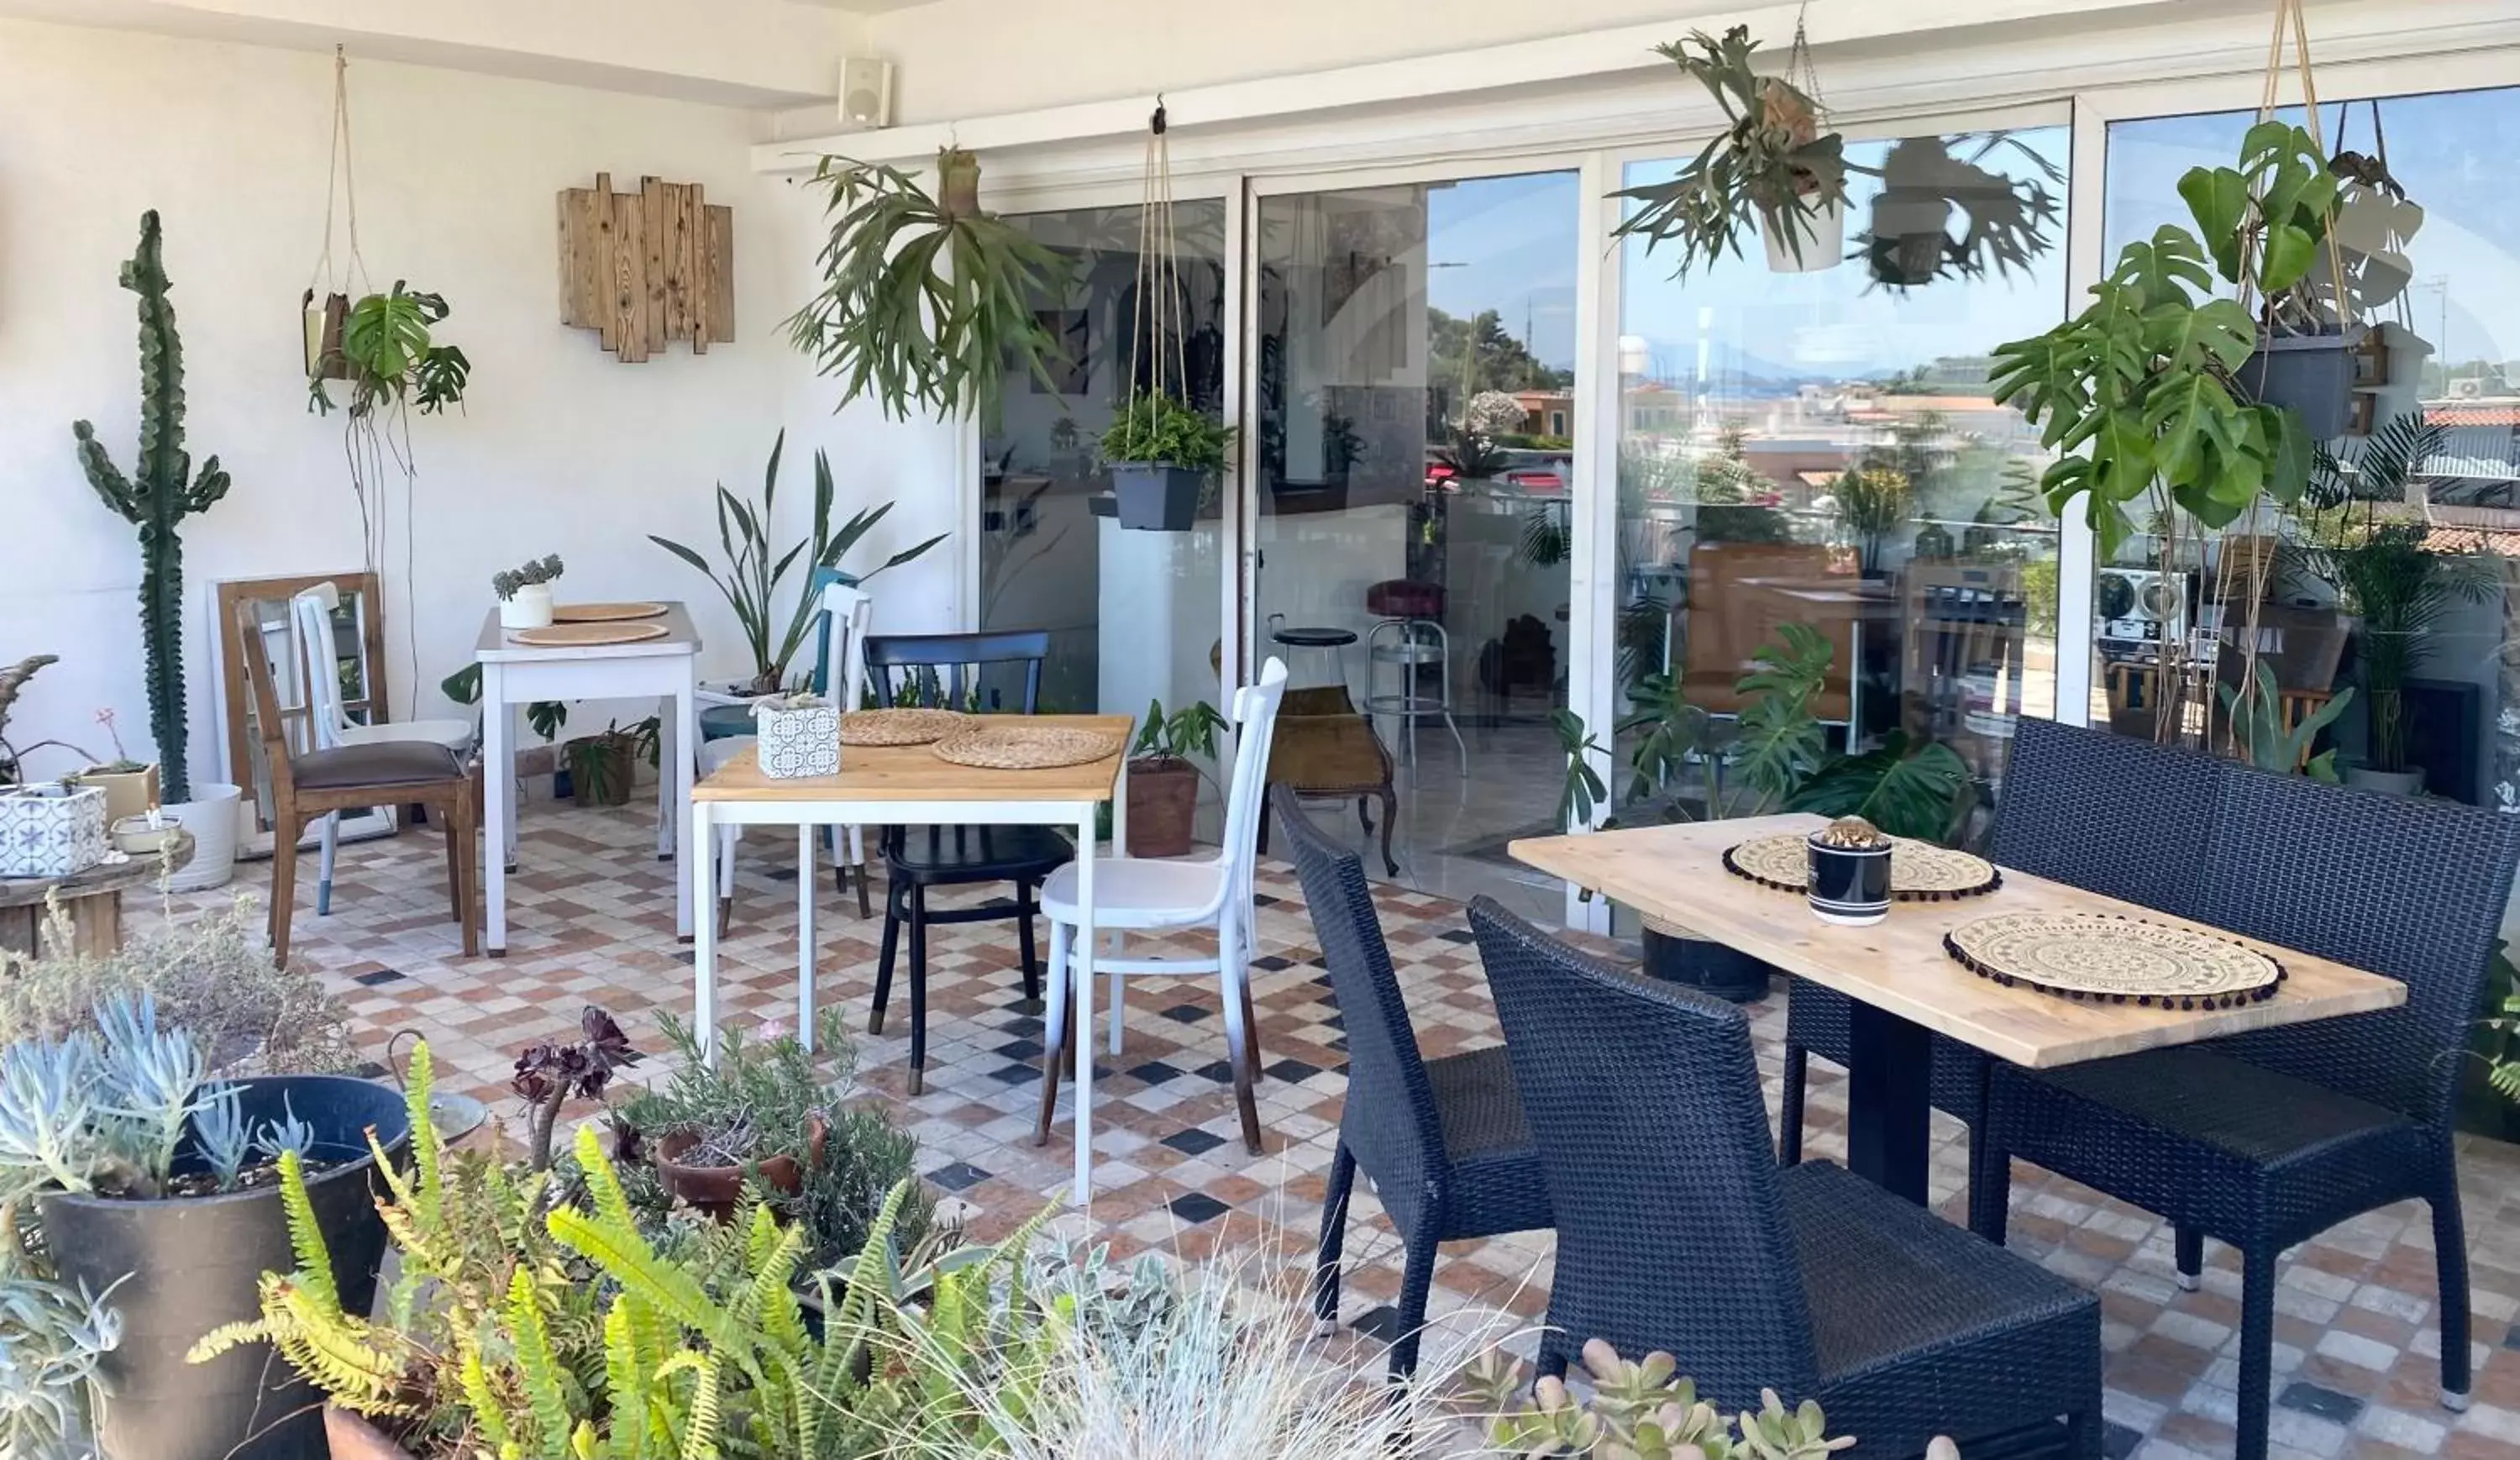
[1165,458]
[161,491]
[148,1179]
[1772,166]
[1163,781]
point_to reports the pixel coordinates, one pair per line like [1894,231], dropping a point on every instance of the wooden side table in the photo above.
[93,899]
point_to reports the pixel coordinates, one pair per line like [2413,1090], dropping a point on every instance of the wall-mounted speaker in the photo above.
[866,94]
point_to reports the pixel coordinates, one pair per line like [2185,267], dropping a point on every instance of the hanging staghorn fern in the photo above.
[926,301]
[157,497]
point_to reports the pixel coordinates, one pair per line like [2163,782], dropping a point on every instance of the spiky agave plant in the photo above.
[925,297]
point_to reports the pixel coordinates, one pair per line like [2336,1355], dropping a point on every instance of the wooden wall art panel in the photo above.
[647,268]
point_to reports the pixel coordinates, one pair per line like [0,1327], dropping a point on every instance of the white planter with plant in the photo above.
[524,593]
[50,829]
[797,735]
[1165,461]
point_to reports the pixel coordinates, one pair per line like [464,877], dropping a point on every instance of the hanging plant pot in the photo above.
[1815,240]
[324,321]
[1156,497]
[1908,242]
[2310,375]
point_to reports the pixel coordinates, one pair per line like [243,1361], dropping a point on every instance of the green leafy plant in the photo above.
[1873,503]
[755,569]
[2498,1044]
[391,359]
[601,766]
[1639,1410]
[1770,167]
[2141,393]
[1163,740]
[1154,429]
[508,581]
[161,491]
[13,680]
[925,298]
[545,716]
[101,1113]
[1583,789]
[53,1343]
[2258,728]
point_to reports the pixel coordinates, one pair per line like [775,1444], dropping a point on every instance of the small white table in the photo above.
[909,785]
[514,674]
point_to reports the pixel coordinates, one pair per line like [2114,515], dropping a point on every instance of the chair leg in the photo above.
[2449,1249]
[1990,1180]
[918,990]
[2257,1348]
[1391,814]
[1242,1036]
[454,872]
[857,860]
[2189,1251]
[1325,1262]
[892,912]
[327,842]
[1416,1278]
[1365,813]
[1025,908]
[726,839]
[1057,1034]
[2085,1432]
[463,817]
[284,883]
[1790,1110]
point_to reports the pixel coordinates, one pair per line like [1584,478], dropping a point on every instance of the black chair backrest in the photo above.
[2122,817]
[2411,890]
[1644,1101]
[1390,1122]
[947,669]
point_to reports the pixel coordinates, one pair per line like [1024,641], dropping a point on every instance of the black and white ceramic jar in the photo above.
[1850,873]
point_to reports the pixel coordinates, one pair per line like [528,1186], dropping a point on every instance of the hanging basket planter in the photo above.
[323,323]
[1806,243]
[1910,243]
[1154,497]
[2310,375]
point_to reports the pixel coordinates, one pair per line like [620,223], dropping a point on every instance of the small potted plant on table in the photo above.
[1165,458]
[1163,781]
[524,593]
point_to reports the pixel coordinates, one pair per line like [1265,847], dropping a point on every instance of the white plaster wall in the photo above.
[562,448]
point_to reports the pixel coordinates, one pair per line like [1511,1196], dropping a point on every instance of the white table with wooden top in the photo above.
[1905,986]
[514,674]
[911,786]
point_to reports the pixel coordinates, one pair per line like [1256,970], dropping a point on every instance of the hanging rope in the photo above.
[1802,74]
[1158,281]
[339,183]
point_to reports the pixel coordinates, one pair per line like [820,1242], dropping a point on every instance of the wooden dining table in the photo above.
[1906,986]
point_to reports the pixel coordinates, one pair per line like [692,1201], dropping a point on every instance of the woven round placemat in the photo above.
[587,635]
[604,613]
[899,727]
[1026,747]
[2114,960]
[1920,871]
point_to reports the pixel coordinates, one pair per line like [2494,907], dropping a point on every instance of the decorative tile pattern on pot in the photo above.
[798,742]
[51,831]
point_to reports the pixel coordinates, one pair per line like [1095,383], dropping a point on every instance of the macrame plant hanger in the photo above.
[332,283]
[1158,333]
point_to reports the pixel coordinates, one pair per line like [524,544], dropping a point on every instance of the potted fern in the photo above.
[1165,458]
[143,1171]
[1771,167]
[1163,781]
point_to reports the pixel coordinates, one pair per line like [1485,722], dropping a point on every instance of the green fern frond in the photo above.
[488,1413]
[627,1383]
[539,1370]
[306,1236]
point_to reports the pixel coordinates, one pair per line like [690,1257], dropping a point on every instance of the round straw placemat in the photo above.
[1026,747]
[899,727]
[587,635]
[604,613]
[1920,871]
[2114,960]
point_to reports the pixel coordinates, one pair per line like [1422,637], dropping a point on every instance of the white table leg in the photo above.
[805,838]
[1083,1013]
[698,878]
[686,713]
[669,746]
[498,782]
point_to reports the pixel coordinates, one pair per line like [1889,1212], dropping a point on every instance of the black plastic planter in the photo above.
[1157,498]
[1706,965]
[194,1265]
[2312,374]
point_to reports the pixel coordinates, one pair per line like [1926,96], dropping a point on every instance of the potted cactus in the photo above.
[161,491]
[524,593]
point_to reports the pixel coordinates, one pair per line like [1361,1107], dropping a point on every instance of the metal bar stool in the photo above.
[1327,638]
[1408,634]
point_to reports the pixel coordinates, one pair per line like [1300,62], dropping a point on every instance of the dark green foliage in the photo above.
[1155,429]
[1186,732]
[390,358]
[159,493]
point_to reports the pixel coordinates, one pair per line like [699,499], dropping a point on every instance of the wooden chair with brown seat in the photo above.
[1323,749]
[317,783]
[1738,594]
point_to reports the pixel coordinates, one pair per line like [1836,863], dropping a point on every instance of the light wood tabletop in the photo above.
[497,645]
[1676,874]
[915,773]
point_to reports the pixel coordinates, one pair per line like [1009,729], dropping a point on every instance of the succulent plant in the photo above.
[1640,1410]
[507,581]
[82,1114]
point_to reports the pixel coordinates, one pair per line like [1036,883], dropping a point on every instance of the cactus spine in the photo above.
[157,497]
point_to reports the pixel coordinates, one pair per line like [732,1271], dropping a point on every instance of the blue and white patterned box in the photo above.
[51,830]
[798,741]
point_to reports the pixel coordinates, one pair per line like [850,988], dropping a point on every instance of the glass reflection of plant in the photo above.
[2010,221]
[1873,503]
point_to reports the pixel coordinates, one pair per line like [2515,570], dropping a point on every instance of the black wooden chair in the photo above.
[1443,1140]
[1677,1231]
[951,670]
[2266,1139]
[2125,818]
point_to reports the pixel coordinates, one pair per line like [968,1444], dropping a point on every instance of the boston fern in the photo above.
[1153,428]
[2140,391]
[924,298]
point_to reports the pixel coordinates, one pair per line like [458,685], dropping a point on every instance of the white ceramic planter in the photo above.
[212,817]
[1823,242]
[531,607]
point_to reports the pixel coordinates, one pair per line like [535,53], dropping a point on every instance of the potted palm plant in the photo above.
[1163,781]
[1165,459]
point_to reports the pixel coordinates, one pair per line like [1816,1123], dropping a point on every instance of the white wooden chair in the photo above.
[1139,895]
[311,643]
[847,613]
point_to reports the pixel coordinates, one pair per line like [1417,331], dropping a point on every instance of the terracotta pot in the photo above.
[715,1190]
[1163,798]
[352,1437]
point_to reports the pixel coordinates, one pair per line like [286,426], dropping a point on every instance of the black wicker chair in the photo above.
[2265,1140]
[1677,1230]
[2122,817]
[953,669]
[1443,1140]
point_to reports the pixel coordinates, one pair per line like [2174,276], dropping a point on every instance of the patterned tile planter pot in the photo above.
[800,736]
[51,830]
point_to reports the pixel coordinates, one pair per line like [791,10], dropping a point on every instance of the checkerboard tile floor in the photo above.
[591,921]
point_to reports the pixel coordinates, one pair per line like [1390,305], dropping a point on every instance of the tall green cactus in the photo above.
[157,497]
